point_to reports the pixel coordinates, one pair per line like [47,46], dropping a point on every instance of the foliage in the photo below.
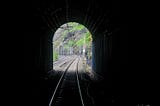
[55,56]
[71,43]
[84,38]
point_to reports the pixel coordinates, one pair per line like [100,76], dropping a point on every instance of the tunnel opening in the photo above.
[72,40]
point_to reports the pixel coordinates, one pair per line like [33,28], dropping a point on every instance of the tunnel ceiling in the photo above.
[91,13]
[97,16]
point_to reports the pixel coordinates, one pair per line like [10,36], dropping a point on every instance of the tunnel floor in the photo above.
[77,87]
[72,89]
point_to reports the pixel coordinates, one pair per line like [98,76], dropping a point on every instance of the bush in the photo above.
[55,56]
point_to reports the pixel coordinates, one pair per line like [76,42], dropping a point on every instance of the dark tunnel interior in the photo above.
[107,21]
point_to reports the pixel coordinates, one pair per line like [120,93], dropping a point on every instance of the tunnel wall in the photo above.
[100,54]
[109,47]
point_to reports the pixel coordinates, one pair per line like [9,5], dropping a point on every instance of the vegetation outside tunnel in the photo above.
[72,36]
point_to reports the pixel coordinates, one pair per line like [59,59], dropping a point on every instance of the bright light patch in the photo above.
[70,40]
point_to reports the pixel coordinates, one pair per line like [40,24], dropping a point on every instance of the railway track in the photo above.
[61,60]
[68,90]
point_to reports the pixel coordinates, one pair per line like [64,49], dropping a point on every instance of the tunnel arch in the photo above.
[89,18]
[94,17]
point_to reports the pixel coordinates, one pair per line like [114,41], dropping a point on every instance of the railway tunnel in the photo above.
[106,21]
